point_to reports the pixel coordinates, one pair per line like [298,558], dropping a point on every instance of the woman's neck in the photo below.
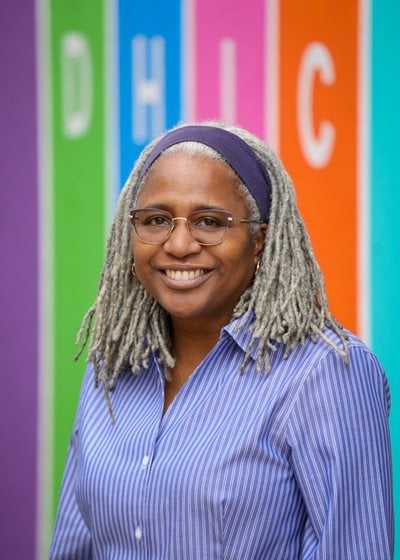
[192,340]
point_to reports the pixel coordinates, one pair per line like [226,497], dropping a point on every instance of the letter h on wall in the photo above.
[148,88]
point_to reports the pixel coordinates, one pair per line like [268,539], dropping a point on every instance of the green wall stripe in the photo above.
[77,36]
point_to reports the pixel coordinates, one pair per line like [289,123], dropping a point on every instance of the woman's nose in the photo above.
[180,242]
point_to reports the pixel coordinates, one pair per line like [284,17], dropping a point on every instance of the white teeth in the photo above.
[184,274]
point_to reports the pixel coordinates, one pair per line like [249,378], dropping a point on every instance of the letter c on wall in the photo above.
[317,148]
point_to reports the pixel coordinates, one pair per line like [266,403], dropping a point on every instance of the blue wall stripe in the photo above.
[157,45]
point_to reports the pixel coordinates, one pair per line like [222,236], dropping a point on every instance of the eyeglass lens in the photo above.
[206,227]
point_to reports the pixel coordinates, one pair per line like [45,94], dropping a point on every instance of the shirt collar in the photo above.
[241,335]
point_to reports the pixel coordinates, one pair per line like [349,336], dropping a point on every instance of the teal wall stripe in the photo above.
[385,207]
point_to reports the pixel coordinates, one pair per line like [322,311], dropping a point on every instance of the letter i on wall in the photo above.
[229,58]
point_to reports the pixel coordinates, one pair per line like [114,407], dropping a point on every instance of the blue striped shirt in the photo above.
[290,465]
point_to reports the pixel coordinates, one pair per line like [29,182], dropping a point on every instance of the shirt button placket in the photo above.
[145,462]
[138,534]
[138,530]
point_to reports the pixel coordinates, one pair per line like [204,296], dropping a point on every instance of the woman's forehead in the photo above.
[183,157]
[195,178]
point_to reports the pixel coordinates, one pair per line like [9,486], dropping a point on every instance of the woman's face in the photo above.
[182,184]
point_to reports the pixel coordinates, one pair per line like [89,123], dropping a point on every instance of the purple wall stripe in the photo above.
[18,280]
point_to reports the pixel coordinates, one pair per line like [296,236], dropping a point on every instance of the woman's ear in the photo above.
[259,242]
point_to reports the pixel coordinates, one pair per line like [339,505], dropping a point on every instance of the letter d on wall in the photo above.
[317,149]
[77,84]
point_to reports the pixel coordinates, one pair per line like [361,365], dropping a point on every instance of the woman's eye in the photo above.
[157,221]
[209,222]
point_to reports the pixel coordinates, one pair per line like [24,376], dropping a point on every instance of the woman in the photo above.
[253,426]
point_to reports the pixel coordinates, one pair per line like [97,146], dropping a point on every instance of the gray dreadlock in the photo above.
[287,298]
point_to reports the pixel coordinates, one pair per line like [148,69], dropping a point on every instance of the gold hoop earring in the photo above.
[133,269]
[257,268]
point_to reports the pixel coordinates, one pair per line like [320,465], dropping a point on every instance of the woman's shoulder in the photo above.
[328,344]
[355,348]
[329,355]
[350,364]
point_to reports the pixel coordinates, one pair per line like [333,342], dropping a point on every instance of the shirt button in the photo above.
[145,461]
[138,533]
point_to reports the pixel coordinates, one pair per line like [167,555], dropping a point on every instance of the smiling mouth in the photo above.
[184,274]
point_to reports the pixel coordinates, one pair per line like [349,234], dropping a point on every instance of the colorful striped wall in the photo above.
[85,85]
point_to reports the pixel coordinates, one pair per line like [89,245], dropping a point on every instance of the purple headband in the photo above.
[233,149]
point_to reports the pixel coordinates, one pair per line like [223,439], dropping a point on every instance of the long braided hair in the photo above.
[287,298]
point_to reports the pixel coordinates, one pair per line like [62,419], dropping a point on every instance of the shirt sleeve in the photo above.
[340,450]
[71,537]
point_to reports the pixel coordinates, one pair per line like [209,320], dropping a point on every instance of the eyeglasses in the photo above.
[205,227]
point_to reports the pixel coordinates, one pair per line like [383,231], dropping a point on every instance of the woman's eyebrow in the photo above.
[157,206]
[196,207]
